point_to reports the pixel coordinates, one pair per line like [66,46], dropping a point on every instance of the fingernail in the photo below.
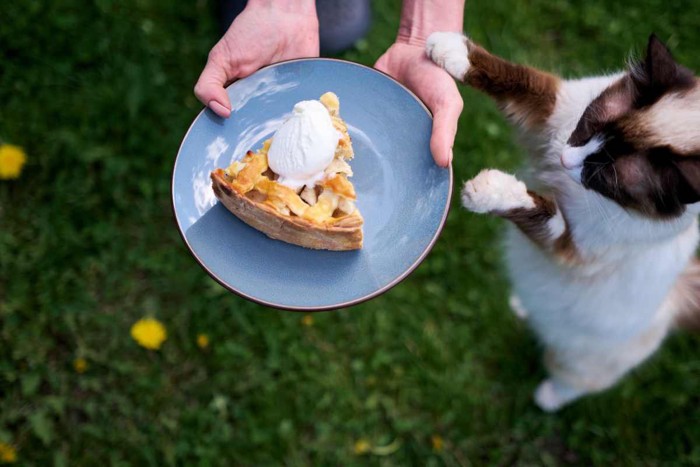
[219,109]
[449,158]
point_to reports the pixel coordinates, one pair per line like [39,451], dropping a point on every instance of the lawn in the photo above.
[435,372]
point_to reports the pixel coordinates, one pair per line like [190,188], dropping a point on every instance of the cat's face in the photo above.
[638,143]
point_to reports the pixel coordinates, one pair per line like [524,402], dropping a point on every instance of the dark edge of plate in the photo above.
[347,304]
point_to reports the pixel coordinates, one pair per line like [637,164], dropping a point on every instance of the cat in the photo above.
[602,256]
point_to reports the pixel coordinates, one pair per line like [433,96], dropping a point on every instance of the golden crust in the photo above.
[343,234]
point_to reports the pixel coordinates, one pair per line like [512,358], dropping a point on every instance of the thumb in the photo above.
[210,87]
[382,65]
[445,118]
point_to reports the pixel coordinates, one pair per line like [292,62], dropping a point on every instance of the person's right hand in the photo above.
[267,31]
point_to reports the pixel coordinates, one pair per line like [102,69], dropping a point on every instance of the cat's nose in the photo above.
[573,157]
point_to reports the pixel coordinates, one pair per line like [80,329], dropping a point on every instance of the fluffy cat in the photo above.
[602,254]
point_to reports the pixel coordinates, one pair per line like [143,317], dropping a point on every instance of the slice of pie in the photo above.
[322,216]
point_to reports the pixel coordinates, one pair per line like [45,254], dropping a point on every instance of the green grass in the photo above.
[99,94]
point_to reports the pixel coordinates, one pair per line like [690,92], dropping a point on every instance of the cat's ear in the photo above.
[661,68]
[659,73]
[689,188]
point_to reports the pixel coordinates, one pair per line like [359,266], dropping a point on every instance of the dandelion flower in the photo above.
[12,158]
[437,442]
[307,320]
[80,365]
[202,341]
[362,446]
[8,455]
[149,333]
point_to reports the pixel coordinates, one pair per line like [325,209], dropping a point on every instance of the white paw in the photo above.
[551,395]
[493,190]
[517,307]
[449,51]
[547,398]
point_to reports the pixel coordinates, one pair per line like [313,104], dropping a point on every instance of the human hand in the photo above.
[267,31]
[408,63]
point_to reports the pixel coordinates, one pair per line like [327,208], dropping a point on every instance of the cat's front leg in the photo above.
[538,217]
[526,95]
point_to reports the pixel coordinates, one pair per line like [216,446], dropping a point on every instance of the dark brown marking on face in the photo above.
[528,95]
[689,169]
[613,103]
[655,182]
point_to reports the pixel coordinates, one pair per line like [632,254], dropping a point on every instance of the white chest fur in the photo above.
[610,300]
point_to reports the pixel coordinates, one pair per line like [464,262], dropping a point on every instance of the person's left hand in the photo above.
[409,65]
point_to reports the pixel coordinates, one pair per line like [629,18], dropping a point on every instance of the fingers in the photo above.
[445,118]
[210,85]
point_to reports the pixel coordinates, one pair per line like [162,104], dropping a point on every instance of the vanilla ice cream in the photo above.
[303,146]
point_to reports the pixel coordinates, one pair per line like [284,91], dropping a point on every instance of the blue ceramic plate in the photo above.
[402,195]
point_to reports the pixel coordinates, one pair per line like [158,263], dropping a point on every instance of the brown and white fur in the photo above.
[602,259]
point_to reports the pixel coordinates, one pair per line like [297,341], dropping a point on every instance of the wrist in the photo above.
[420,18]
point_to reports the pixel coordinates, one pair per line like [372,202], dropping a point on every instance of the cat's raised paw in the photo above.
[495,191]
[449,50]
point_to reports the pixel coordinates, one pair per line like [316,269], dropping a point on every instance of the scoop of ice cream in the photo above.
[303,146]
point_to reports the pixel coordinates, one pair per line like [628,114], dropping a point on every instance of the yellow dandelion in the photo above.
[362,446]
[202,341]
[8,455]
[307,320]
[149,333]
[12,158]
[80,365]
[437,442]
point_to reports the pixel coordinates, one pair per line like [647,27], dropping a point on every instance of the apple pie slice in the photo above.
[322,216]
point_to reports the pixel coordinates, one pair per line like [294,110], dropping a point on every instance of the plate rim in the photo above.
[347,304]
